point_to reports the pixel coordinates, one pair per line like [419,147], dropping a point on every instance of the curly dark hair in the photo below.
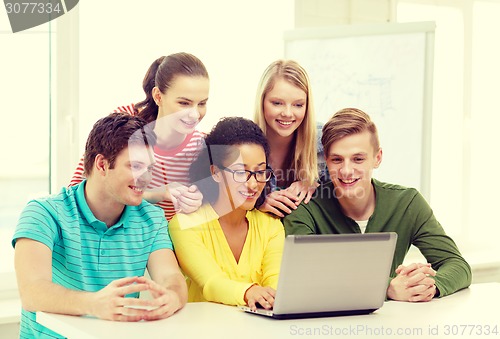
[113,133]
[219,148]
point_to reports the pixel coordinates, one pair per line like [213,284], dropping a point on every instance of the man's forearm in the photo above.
[177,283]
[49,297]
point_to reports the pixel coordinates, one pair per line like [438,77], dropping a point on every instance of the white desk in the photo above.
[462,315]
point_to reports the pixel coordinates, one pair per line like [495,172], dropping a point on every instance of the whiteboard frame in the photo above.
[427,27]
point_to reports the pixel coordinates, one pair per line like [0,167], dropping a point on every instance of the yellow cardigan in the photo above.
[206,259]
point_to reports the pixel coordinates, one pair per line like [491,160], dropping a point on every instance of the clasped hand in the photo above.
[413,283]
[186,199]
[110,302]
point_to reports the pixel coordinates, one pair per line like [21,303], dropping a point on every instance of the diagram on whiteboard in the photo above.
[381,74]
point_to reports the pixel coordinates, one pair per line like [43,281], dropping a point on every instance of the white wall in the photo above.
[316,13]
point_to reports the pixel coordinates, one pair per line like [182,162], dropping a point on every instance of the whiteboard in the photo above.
[384,70]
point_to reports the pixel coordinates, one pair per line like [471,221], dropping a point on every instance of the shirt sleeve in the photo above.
[198,264]
[36,223]
[453,272]
[300,222]
[271,262]
[78,174]
[162,239]
[130,109]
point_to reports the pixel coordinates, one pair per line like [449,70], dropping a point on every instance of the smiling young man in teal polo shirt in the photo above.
[84,251]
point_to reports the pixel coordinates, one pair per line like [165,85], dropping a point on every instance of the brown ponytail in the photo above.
[147,107]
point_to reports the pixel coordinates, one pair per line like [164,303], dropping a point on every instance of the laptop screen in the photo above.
[334,272]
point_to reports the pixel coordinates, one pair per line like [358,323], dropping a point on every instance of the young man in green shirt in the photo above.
[354,202]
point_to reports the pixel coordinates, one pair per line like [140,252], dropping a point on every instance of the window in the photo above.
[25,137]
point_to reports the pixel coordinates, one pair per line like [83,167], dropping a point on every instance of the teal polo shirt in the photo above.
[86,254]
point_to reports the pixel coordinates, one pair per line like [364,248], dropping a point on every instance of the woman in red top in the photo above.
[176,88]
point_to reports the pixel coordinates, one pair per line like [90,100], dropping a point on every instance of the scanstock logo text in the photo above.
[24,14]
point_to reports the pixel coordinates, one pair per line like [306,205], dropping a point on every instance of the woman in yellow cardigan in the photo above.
[230,251]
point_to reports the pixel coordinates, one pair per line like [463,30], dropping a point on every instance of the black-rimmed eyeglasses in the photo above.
[242,176]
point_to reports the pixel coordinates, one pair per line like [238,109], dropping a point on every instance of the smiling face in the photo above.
[243,195]
[126,181]
[350,161]
[183,105]
[284,108]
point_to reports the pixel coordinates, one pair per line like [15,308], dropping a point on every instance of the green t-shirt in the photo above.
[397,209]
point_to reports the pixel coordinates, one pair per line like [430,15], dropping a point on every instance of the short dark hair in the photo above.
[219,147]
[113,133]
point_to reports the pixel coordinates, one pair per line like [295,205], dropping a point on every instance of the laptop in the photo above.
[332,275]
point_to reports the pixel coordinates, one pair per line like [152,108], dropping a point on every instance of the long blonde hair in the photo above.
[304,160]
